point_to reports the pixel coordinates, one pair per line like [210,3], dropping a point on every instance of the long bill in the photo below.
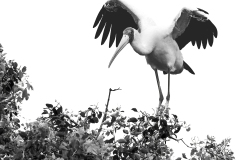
[123,43]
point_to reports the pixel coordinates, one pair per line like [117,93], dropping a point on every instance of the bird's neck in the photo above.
[141,44]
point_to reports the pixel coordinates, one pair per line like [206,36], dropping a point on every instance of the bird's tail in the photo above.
[187,67]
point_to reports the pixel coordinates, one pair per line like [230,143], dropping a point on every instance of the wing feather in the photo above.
[113,19]
[99,17]
[197,29]
[101,25]
[106,32]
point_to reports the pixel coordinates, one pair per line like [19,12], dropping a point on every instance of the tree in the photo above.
[61,134]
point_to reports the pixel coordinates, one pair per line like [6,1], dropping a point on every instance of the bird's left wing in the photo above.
[194,26]
[117,16]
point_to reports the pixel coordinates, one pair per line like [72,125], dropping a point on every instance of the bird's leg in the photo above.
[160,92]
[168,94]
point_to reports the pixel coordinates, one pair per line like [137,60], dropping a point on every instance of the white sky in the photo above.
[55,40]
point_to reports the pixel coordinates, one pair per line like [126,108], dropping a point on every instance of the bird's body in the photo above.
[160,50]
[166,56]
[158,34]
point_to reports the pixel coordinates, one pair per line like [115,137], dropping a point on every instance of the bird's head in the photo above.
[128,36]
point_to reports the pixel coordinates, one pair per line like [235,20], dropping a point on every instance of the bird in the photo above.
[159,34]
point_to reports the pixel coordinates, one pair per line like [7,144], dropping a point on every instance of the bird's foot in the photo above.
[166,111]
[166,104]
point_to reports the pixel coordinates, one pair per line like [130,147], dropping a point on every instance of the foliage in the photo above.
[14,88]
[63,135]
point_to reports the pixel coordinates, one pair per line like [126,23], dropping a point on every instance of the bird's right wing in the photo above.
[117,16]
[194,26]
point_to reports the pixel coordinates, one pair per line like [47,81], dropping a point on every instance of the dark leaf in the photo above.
[2,131]
[10,71]
[159,151]
[132,128]
[20,74]
[194,150]
[177,129]
[163,123]
[45,112]
[151,117]
[93,114]
[59,110]
[121,141]
[136,156]
[109,141]
[125,131]
[91,120]
[107,133]
[49,105]
[115,152]
[85,136]
[77,135]
[167,116]
[141,118]
[134,149]
[58,122]
[24,69]
[25,94]
[115,157]
[55,111]
[82,114]
[144,150]
[95,119]
[134,109]
[61,134]
[14,64]
[155,119]
[184,155]
[17,124]
[23,135]
[99,114]
[209,138]
[16,120]
[113,119]
[209,146]
[175,116]
[133,119]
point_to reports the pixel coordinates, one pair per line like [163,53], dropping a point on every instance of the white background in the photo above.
[55,40]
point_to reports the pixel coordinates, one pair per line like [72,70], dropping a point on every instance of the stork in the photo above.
[158,34]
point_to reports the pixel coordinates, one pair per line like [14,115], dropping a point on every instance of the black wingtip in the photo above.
[203,10]
[188,68]
[215,32]
[99,17]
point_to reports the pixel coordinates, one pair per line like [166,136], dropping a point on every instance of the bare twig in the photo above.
[106,109]
[184,143]
[114,89]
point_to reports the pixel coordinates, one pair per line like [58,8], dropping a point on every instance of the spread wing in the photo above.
[194,26]
[114,16]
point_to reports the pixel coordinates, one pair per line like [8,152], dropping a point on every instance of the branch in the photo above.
[184,143]
[106,109]
[114,89]
[65,115]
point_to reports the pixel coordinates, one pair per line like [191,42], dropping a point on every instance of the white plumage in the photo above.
[158,32]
